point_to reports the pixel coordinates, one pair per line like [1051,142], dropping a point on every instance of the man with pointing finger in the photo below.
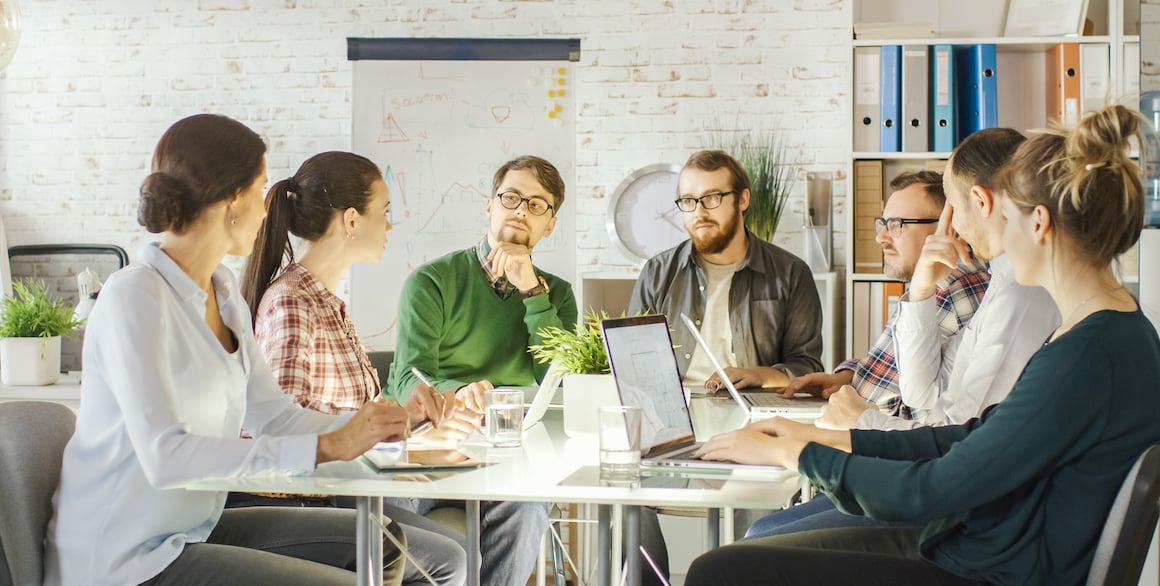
[465,322]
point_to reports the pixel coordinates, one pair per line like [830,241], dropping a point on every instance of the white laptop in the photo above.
[544,396]
[640,353]
[759,405]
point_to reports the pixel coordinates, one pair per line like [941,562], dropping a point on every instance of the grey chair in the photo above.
[1123,545]
[32,439]
[382,363]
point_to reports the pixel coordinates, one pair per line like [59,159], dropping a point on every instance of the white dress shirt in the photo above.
[979,365]
[163,403]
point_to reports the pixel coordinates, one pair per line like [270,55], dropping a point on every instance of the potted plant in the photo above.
[580,356]
[31,325]
[766,159]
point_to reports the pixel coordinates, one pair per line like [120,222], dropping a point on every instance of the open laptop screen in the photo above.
[640,353]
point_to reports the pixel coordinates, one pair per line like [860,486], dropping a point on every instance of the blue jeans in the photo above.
[509,535]
[817,513]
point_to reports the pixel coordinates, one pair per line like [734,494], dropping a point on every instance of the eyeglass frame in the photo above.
[721,195]
[526,202]
[895,232]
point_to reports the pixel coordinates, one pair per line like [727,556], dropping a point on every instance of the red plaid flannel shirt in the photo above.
[310,343]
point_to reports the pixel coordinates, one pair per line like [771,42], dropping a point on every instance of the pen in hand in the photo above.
[430,420]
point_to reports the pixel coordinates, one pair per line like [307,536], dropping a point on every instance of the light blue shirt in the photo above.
[162,404]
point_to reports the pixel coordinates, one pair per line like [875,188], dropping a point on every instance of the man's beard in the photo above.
[716,241]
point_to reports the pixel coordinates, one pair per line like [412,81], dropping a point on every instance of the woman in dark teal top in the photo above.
[1020,495]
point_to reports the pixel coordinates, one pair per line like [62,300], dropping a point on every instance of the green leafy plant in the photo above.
[766,158]
[579,351]
[31,313]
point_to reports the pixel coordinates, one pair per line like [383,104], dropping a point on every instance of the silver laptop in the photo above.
[759,405]
[640,353]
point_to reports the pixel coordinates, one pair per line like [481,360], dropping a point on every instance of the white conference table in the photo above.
[548,467]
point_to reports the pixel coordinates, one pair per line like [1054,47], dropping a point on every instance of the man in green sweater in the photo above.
[466,320]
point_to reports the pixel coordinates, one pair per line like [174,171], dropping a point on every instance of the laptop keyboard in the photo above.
[770,400]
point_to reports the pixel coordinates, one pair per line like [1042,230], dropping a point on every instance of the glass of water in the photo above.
[620,440]
[505,417]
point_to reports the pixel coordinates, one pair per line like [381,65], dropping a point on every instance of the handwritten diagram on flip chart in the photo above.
[439,129]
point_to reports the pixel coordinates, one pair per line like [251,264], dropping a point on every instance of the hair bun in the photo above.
[159,209]
[1102,139]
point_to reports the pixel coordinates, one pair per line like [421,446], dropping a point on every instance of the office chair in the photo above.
[32,439]
[382,360]
[1123,545]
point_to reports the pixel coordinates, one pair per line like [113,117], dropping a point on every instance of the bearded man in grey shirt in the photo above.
[755,303]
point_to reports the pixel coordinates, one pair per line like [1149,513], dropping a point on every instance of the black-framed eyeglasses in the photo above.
[895,224]
[708,201]
[536,205]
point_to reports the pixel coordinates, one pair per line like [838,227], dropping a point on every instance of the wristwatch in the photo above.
[540,288]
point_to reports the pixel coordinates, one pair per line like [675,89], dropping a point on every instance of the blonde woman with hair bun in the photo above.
[1019,495]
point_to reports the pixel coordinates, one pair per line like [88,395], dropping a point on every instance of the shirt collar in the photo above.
[188,291]
[500,285]
[311,286]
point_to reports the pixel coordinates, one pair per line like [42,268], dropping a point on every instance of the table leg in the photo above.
[728,526]
[375,545]
[604,545]
[369,569]
[807,490]
[713,528]
[632,543]
[474,557]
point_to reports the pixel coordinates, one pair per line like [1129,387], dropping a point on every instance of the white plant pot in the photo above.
[29,361]
[584,395]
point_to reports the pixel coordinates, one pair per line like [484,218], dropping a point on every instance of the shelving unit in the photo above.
[1021,73]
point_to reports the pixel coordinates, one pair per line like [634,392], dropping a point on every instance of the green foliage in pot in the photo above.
[579,351]
[31,313]
[767,160]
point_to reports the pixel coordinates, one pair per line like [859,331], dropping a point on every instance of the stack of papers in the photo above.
[893,30]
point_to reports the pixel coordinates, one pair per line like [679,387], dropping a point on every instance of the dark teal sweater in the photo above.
[1020,495]
[454,328]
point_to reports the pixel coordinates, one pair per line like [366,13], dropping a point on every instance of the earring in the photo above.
[350,235]
[233,221]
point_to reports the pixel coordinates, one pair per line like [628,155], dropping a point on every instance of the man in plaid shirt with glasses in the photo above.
[911,214]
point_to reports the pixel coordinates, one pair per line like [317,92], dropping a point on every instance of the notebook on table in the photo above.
[640,354]
[761,404]
[395,457]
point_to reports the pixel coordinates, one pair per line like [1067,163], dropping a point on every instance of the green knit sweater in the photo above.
[455,329]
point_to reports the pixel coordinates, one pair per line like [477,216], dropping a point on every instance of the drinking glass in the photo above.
[620,440]
[505,417]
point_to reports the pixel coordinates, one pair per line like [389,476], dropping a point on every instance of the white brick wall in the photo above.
[94,84]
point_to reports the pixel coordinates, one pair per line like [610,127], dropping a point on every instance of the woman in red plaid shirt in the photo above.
[338,204]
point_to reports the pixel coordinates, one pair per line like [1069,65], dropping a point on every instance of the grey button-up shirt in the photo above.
[773,305]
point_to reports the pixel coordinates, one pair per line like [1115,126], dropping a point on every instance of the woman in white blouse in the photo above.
[172,376]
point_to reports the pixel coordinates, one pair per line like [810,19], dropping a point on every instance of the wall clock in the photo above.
[642,218]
